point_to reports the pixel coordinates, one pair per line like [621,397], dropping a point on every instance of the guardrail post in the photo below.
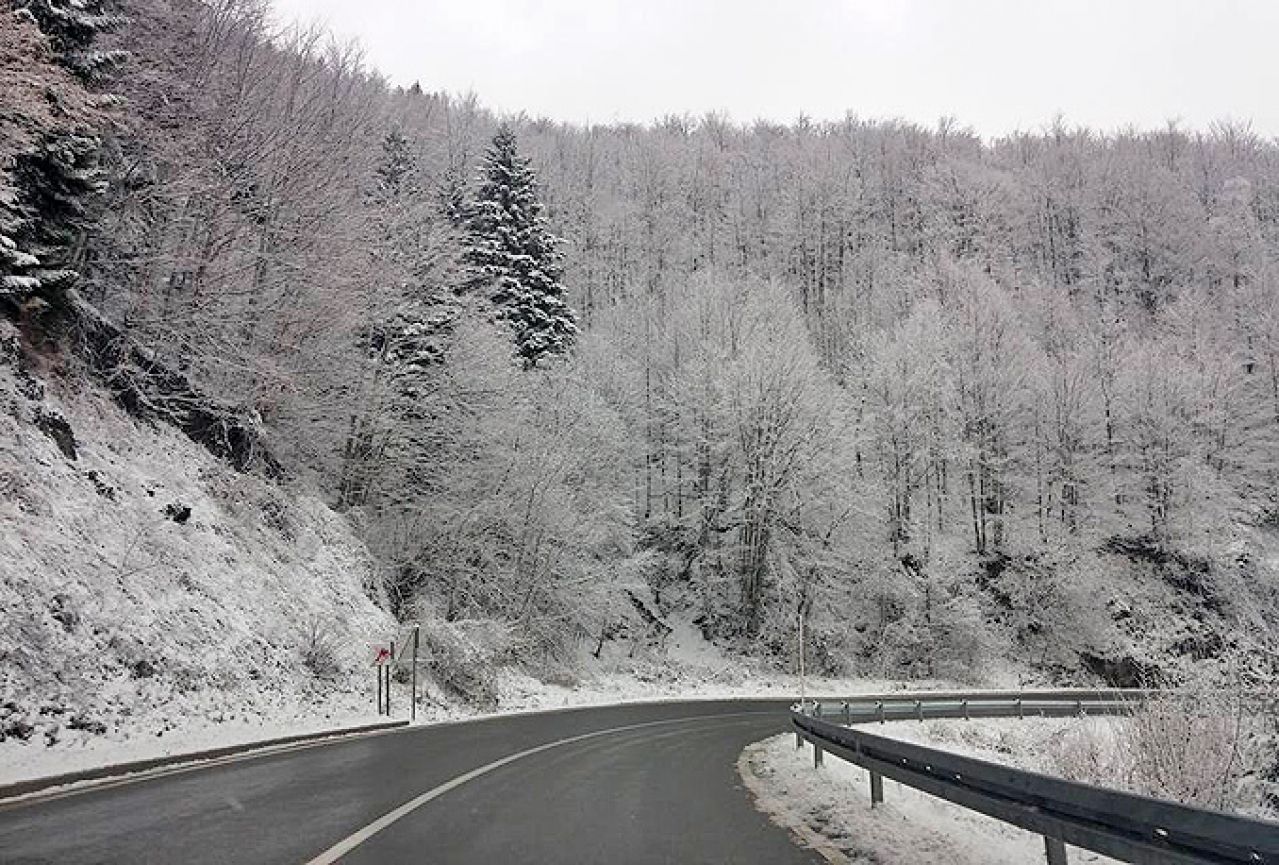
[876,789]
[1079,708]
[1056,850]
[879,708]
[965,705]
[848,719]
[817,710]
[817,754]
[799,741]
[919,710]
[1020,709]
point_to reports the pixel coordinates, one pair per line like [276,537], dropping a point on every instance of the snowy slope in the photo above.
[125,619]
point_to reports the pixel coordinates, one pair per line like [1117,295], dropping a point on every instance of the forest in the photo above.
[948,404]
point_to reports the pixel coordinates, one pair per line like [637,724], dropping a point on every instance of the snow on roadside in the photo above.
[832,803]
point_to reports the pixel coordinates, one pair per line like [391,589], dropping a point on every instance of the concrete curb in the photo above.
[112,771]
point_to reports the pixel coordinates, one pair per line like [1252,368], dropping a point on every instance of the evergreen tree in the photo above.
[55,181]
[512,254]
[72,27]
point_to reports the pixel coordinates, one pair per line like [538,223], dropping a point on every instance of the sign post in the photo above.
[379,666]
[390,665]
[413,704]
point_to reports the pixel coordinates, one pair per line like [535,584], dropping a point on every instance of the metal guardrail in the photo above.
[1124,826]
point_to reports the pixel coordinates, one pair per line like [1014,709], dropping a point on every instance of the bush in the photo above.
[318,650]
[1198,748]
[463,657]
[1195,749]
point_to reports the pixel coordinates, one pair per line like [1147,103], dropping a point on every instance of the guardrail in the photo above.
[1124,826]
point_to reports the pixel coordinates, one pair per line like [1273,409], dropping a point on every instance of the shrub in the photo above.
[1199,748]
[318,650]
[1195,749]
[463,657]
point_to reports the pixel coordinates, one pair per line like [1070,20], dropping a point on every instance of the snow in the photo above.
[129,636]
[832,802]
[266,719]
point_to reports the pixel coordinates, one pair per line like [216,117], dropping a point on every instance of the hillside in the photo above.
[148,586]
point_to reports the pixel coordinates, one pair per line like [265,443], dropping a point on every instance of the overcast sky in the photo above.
[995,65]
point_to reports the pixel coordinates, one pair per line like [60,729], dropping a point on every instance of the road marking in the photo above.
[346,845]
[94,785]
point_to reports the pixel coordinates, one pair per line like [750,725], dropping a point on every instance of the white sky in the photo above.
[995,65]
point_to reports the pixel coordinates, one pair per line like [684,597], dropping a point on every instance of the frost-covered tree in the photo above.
[513,255]
[406,321]
[73,27]
[57,176]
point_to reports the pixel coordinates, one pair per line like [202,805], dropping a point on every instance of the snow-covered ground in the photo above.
[209,723]
[830,804]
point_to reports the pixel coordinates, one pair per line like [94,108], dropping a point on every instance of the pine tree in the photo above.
[56,179]
[72,27]
[512,254]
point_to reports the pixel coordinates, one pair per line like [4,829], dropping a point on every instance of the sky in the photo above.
[996,66]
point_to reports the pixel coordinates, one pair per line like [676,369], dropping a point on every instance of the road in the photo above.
[649,783]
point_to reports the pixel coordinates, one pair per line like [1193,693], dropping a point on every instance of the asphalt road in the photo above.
[653,783]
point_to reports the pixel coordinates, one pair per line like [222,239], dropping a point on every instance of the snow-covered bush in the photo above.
[318,650]
[464,657]
[1201,747]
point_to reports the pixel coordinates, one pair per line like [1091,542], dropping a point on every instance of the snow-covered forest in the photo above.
[958,405]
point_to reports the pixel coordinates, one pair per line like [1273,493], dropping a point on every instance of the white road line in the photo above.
[346,845]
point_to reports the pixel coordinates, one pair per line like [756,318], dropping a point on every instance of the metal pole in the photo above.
[378,669]
[876,789]
[817,754]
[413,705]
[1055,848]
[802,689]
[389,667]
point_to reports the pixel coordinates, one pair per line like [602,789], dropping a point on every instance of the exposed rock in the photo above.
[55,426]
[142,669]
[81,722]
[1184,572]
[62,611]
[14,724]
[100,486]
[11,355]
[1124,671]
[151,391]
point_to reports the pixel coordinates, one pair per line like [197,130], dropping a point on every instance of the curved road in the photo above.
[648,783]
